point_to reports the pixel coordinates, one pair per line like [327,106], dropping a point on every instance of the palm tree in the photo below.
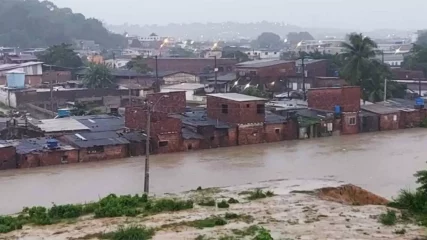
[358,54]
[98,76]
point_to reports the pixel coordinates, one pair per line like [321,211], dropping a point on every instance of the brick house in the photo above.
[313,67]
[389,117]
[36,152]
[247,112]
[191,65]
[347,99]
[98,146]
[266,71]
[165,130]
[215,133]
[279,128]
[7,155]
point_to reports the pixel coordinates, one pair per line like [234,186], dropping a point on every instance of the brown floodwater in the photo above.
[381,162]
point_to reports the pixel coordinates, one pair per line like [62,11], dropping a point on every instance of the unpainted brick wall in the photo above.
[174,143]
[348,98]
[238,112]
[274,132]
[110,152]
[191,144]
[389,121]
[250,134]
[346,127]
[7,158]
[47,158]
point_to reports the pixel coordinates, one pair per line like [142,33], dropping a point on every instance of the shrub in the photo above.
[223,204]
[209,202]
[423,124]
[113,206]
[249,231]
[208,222]
[171,205]
[39,216]
[130,233]
[8,224]
[232,201]
[231,215]
[263,234]
[257,194]
[388,218]
[65,211]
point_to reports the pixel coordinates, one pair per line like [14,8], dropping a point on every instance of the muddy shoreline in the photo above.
[287,215]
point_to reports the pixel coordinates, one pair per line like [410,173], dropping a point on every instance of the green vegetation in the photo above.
[61,55]
[207,222]
[35,23]
[110,206]
[98,76]
[209,202]
[388,218]
[249,231]
[130,233]
[243,217]
[263,234]
[138,65]
[223,204]
[257,194]
[232,201]
[423,123]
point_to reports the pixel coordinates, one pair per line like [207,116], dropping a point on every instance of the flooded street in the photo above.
[379,162]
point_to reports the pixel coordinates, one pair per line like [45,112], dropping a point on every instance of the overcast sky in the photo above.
[344,14]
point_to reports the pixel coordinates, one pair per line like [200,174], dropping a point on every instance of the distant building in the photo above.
[264,54]
[266,71]
[192,65]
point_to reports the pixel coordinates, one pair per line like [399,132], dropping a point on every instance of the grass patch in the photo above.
[110,206]
[259,194]
[243,217]
[232,201]
[130,233]
[249,231]
[388,218]
[207,222]
[263,234]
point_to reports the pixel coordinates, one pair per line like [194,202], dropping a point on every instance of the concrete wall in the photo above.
[8,98]
[180,78]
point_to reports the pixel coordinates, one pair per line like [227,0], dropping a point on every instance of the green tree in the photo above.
[138,65]
[417,58]
[61,55]
[34,23]
[98,76]
[358,55]
[269,40]
[254,91]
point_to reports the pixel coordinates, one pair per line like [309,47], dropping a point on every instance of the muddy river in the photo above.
[380,162]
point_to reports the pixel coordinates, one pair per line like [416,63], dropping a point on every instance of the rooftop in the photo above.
[60,125]
[274,118]
[379,108]
[199,118]
[184,86]
[38,145]
[237,97]
[84,140]
[224,78]
[188,134]
[101,123]
[261,63]
[308,61]
[5,67]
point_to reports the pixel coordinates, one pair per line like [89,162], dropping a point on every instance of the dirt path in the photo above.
[287,215]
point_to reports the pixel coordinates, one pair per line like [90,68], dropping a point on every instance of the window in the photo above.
[212,138]
[352,121]
[266,53]
[395,118]
[260,108]
[95,149]
[163,143]
[277,130]
[248,105]
[64,159]
[224,108]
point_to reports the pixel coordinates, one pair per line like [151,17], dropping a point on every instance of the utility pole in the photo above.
[147,152]
[130,91]
[51,89]
[303,76]
[157,85]
[216,75]
[385,79]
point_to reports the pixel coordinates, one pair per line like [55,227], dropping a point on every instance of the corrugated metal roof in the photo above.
[274,118]
[237,97]
[188,134]
[38,145]
[102,123]
[261,63]
[84,140]
[199,118]
[60,125]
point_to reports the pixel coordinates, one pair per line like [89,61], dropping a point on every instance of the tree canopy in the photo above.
[98,76]
[30,23]
[61,55]
[269,40]
[417,59]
